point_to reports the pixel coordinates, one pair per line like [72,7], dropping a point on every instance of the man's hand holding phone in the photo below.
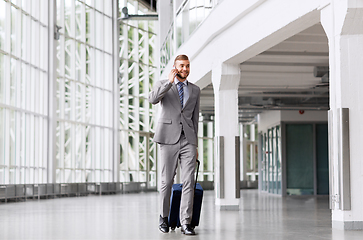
[172,74]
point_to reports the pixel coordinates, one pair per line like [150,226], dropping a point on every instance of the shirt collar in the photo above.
[176,80]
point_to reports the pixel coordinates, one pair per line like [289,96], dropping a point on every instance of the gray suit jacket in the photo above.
[173,118]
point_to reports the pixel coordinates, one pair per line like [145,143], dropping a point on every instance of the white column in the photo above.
[342,21]
[225,79]
[210,151]
[252,151]
[200,150]
[243,154]
[52,96]
[116,93]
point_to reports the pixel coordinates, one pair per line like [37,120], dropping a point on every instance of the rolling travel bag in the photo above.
[174,220]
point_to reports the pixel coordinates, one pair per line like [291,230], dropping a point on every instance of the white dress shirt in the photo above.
[185,89]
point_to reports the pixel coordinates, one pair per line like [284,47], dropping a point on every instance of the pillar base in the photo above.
[349,225]
[227,204]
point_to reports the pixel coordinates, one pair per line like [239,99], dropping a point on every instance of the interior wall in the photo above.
[268,119]
[305,116]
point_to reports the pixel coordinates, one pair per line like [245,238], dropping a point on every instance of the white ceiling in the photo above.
[281,77]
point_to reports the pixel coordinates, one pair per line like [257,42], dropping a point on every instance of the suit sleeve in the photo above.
[159,91]
[196,115]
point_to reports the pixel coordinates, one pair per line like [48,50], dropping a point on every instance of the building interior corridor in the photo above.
[279,121]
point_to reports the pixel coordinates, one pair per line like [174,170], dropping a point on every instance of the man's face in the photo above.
[183,67]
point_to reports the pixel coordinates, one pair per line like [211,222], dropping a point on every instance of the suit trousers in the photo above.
[170,154]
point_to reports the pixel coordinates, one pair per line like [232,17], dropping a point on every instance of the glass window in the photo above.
[68,27]
[89,65]
[88,146]
[271,161]
[99,5]
[44,12]
[84,93]
[80,60]
[2,136]
[108,7]
[26,5]
[89,25]
[2,24]
[35,43]
[13,29]
[299,159]
[108,34]
[79,16]
[43,54]
[35,7]
[99,69]
[107,79]
[99,28]
[69,57]
[137,151]
[187,21]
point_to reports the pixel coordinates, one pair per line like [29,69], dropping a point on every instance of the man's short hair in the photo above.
[181,57]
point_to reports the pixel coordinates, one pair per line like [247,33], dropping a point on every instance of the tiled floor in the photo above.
[135,216]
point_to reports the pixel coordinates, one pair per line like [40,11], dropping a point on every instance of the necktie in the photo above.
[181,93]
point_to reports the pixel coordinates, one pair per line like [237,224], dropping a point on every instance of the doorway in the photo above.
[306,158]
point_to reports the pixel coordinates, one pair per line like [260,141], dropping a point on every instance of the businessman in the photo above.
[176,133]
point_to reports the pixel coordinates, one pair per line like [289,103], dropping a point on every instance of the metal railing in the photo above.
[33,191]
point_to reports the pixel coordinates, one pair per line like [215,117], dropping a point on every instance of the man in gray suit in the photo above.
[177,135]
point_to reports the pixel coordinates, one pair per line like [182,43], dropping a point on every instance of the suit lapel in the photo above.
[190,89]
[176,94]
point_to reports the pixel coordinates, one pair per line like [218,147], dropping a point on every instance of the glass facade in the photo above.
[23,91]
[138,69]
[299,159]
[307,162]
[84,91]
[188,17]
[206,150]
[251,148]
[271,171]
[84,78]
[304,158]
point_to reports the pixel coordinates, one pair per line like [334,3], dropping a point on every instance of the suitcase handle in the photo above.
[196,178]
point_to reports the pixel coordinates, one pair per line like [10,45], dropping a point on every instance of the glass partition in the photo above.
[299,159]
[23,91]
[271,161]
[206,150]
[84,91]
[138,73]
[251,148]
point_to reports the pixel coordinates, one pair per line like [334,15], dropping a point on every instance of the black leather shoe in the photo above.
[163,224]
[187,229]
